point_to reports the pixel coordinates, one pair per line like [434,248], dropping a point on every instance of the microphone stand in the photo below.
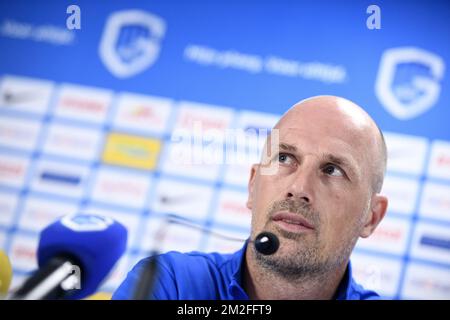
[266,243]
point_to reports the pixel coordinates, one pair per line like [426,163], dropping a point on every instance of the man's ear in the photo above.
[377,212]
[251,183]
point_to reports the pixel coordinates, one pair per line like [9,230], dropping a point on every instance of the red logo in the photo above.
[83,104]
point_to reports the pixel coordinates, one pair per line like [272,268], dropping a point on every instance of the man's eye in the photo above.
[333,170]
[285,158]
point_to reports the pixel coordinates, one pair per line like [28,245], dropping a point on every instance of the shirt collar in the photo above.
[343,292]
[237,264]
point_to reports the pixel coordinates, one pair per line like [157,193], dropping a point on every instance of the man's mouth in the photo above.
[292,222]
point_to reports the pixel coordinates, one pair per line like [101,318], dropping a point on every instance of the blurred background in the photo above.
[90,96]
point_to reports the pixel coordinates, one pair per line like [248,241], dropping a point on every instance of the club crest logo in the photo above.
[86,222]
[408,82]
[131,42]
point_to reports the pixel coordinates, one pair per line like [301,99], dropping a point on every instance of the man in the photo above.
[323,196]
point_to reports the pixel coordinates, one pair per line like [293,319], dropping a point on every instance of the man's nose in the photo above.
[301,186]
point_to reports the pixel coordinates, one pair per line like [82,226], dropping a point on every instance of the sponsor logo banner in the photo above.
[38,213]
[25,94]
[402,194]
[426,282]
[72,142]
[23,253]
[61,179]
[435,202]
[390,236]
[375,273]
[8,204]
[185,199]
[406,154]
[18,133]
[431,242]
[439,164]
[208,117]
[83,103]
[12,170]
[146,114]
[176,237]
[121,188]
[232,209]
[132,151]
[193,161]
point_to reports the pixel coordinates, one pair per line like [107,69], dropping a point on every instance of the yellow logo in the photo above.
[131,151]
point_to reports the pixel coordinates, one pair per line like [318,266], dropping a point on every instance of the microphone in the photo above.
[99,296]
[265,243]
[75,254]
[5,274]
[147,278]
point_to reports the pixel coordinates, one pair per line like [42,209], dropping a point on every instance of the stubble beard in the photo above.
[308,261]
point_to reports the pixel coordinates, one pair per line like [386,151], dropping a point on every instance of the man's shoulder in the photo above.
[184,265]
[190,275]
[192,259]
[358,292]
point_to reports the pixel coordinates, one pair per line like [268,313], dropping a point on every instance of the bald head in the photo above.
[332,116]
[329,159]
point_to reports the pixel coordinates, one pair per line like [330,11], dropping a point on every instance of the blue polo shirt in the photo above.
[212,276]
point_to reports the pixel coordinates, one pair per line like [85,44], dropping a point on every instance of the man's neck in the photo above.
[262,284]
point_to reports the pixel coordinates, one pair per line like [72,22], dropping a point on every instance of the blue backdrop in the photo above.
[86,115]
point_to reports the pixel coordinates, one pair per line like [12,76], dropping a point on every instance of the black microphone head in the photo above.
[266,243]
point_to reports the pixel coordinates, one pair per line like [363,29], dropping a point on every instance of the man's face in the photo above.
[317,201]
